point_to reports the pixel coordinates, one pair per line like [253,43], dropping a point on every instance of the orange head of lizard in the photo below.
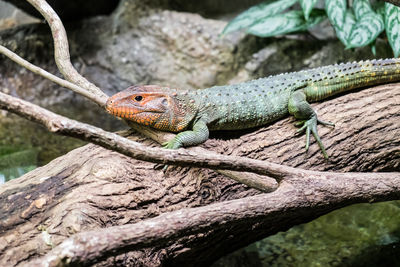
[150,105]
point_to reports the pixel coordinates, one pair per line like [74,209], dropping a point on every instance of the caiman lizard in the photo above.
[193,113]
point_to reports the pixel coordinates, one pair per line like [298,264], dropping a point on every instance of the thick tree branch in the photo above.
[329,190]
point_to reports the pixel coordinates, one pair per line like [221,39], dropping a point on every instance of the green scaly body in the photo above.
[261,101]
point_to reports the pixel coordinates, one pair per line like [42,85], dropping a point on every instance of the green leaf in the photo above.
[255,13]
[361,8]
[343,33]
[392,25]
[307,6]
[373,48]
[291,21]
[365,31]
[336,10]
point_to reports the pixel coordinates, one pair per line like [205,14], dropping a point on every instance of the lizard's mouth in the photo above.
[124,112]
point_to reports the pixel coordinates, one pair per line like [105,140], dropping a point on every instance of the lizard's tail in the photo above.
[348,76]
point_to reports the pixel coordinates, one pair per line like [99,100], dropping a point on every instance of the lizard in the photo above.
[193,113]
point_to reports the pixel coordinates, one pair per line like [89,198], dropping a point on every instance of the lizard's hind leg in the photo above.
[308,120]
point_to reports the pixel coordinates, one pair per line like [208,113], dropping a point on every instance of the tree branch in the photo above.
[75,82]
[264,212]
[64,83]
[61,51]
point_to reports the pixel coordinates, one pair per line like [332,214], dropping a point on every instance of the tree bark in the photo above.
[92,188]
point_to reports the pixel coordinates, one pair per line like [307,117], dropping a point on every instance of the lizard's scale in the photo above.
[248,104]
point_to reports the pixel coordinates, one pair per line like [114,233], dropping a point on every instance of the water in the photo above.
[16,161]
[15,172]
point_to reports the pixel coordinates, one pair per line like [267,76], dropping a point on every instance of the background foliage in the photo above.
[356,25]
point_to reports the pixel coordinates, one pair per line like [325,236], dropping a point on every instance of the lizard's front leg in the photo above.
[199,134]
[302,110]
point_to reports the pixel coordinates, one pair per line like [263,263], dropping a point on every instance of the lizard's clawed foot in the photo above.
[310,125]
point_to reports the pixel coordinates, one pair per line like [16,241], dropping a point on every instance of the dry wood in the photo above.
[92,188]
[266,210]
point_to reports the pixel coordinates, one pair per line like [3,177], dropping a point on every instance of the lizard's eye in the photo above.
[138,98]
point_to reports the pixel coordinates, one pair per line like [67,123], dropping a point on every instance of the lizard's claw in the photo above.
[326,123]
[160,166]
[167,145]
[171,144]
[310,125]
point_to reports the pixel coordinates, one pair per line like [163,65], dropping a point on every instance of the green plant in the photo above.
[356,25]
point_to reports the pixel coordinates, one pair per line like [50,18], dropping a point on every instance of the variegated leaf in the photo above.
[255,13]
[392,25]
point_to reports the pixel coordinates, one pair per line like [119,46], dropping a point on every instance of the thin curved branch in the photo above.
[265,212]
[61,52]
[64,83]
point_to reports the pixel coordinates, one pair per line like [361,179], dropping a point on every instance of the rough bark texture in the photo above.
[91,188]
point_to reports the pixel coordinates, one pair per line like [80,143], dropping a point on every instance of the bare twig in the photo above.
[268,210]
[262,183]
[64,83]
[61,51]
